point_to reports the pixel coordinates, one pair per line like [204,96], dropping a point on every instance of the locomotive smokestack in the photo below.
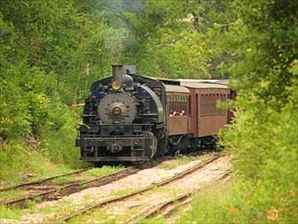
[117,71]
[123,74]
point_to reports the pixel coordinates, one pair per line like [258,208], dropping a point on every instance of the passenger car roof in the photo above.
[176,89]
[182,82]
[203,85]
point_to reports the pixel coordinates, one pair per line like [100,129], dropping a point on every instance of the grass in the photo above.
[203,208]
[62,180]
[10,213]
[153,220]
[208,206]
[89,174]
[12,194]
[168,165]
[22,161]
[16,213]
[181,160]
[105,170]
[19,164]
[65,206]
[93,217]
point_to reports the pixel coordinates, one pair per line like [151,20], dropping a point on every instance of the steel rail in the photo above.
[187,200]
[153,210]
[178,176]
[171,204]
[75,187]
[43,180]
[221,179]
[39,181]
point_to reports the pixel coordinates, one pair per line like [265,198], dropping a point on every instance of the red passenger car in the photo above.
[194,118]
[205,117]
[177,107]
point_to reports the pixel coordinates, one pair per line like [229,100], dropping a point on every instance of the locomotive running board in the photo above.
[115,158]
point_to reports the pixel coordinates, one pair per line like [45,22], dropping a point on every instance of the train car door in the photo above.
[197,106]
[193,115]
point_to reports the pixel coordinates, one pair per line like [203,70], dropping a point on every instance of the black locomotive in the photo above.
[124,118]
[135,118]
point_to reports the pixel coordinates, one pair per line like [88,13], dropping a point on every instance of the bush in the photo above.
[16,159]
[264,144]
[59,135]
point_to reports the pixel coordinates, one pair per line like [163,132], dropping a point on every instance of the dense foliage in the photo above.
[264,139]
[52,50]
[262,39]
[45,62]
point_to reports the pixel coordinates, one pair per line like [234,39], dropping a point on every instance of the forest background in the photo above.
[52,50]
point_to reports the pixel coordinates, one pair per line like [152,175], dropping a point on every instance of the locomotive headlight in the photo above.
[116,85]
[117,110]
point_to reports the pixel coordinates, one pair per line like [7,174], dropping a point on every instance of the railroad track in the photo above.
[176,177]
[47,179]
[44,189]
[167,207]
[40,181]
[52,192]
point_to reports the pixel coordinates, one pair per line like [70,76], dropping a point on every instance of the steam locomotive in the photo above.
[136,118]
